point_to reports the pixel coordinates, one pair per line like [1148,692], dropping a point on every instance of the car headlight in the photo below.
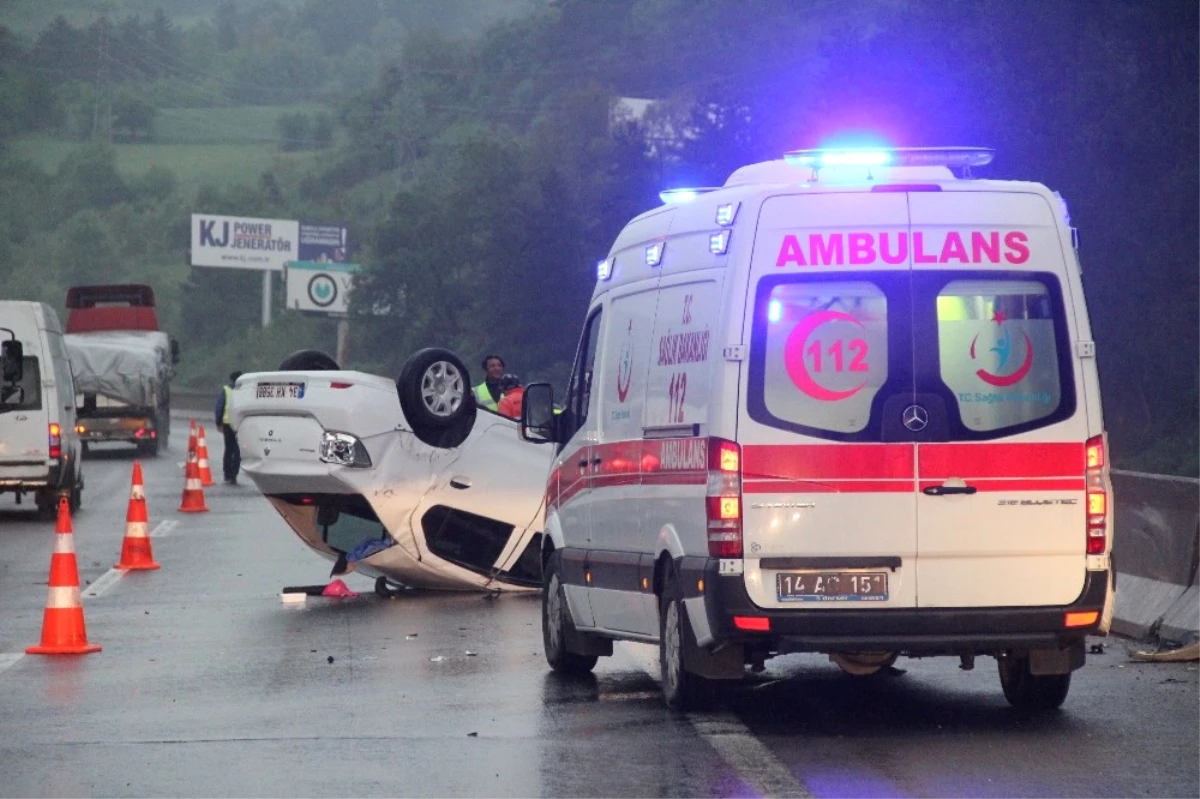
[344,449]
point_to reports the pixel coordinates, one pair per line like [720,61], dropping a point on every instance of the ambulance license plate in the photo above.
[831,586]
[279,391]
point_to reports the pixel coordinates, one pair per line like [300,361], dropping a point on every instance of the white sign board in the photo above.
[241,242]
[321,287]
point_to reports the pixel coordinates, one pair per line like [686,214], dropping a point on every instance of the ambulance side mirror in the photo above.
[539,423]
[12,361]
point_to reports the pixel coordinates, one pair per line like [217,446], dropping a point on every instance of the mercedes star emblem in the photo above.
[915,418]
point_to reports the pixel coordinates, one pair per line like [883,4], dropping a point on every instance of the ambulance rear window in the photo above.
[853,356]
[826,353]
[997,351]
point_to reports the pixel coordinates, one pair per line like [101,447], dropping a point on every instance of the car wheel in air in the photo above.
[435,395]
[308,361]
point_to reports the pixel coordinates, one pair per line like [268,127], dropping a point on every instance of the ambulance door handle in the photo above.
[583,464]
[943,490]
[596,461]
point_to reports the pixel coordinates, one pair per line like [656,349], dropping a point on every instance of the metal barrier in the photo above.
[1156,550]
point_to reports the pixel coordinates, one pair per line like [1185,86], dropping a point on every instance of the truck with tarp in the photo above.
[122,365]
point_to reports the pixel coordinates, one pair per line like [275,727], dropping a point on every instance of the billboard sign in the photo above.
[319,287]
[241,242]
[323,243]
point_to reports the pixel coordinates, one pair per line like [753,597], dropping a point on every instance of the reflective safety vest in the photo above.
[483,397]
[228,400]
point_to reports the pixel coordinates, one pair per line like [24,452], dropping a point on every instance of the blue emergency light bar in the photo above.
[675,196]
[892,156]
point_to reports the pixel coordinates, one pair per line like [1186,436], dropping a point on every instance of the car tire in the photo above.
[435,395]
[148,449]
[1027,691]
[682,689]
[557,625]
[309,361]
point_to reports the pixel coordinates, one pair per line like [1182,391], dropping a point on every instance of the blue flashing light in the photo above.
[892,156]
[774,311]
[727,213]
[676,196]
[604,269]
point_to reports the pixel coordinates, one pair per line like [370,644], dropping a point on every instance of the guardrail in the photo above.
[1156,550]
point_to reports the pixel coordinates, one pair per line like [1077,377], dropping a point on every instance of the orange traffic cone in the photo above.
[193,494]
[63,631]
[206,479]
[135,550]
[192,440]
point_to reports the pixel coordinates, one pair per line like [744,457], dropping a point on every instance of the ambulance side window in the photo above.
[579,392]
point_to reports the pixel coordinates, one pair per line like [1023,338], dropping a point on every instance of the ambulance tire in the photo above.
[1031,692]
[308,361]
[435,395]
[683,690]
[46,501]
[557,625]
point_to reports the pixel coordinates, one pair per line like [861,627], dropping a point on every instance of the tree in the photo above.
[133,118]
[295,131]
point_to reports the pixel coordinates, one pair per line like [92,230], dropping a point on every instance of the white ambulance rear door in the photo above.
[1001,515]
[828,466]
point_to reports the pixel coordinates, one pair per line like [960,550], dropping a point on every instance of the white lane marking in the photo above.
[752,760]
[9,659]
[164,528]
[112,576]
[104,582]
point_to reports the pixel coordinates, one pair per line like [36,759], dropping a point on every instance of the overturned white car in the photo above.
[408,479]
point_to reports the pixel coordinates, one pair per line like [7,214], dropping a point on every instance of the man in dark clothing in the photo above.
[232,461]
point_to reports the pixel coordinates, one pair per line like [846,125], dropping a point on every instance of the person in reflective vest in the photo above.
[488,393]
[231,462]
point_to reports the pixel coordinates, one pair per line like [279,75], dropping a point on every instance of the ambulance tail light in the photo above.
[1096,479]
[55,440]
[723,501]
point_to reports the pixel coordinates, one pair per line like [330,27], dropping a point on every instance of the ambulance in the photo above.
[846,403]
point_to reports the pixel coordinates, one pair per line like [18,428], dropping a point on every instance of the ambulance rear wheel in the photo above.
[435,395]
[1027,691]
[557,626]
[682,689]
[308,361]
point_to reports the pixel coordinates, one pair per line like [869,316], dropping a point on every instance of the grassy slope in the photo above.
[219,146]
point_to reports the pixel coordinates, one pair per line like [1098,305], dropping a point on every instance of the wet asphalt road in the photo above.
[208,685]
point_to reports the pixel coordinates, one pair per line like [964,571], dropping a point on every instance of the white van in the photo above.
[39,442]
[846,403]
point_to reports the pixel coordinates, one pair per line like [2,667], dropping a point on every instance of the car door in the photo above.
[571,483]
[1001,508]
[828,463]
[616,545]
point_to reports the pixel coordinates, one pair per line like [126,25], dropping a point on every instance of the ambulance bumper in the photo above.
[912,631]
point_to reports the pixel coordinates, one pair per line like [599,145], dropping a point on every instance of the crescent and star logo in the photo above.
[625,370]
[1003,350]
[797,345]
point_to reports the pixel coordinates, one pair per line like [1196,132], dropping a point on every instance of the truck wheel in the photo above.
[308,361]
[682,689]
[557,626]
[1025,690]
[148,448]
[435,395]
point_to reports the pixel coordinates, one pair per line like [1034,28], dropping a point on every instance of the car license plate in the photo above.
[831,586]
[280,391]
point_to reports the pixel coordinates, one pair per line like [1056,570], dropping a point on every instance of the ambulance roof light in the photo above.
[676,196]
[892,156]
